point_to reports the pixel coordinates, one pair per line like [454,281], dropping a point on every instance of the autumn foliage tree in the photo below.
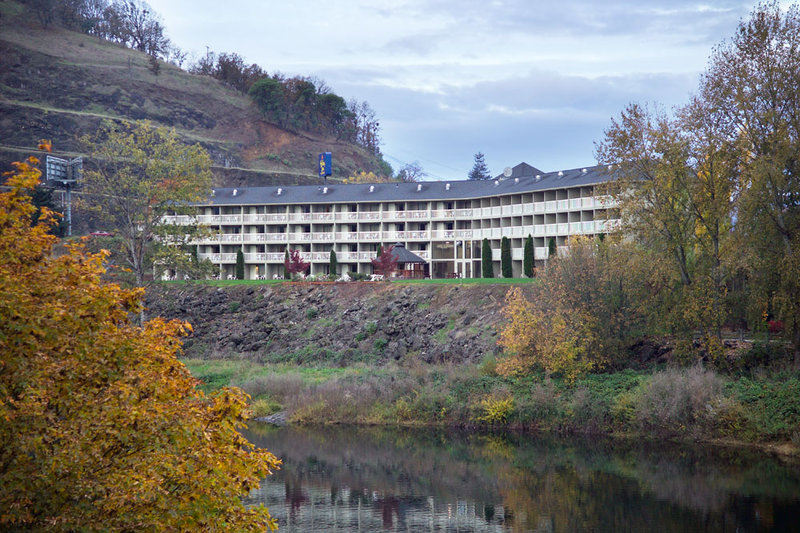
[102,427]
[592,302]
[293,263]
[386,262]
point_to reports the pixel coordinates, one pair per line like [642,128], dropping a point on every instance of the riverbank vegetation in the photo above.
[754,405]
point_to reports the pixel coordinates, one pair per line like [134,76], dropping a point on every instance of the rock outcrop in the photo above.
[341,323]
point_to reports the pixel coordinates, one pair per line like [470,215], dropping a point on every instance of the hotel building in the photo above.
[443,222]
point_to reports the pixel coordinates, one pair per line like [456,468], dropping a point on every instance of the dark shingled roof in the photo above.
[402,192]
[403,255]
[521,170]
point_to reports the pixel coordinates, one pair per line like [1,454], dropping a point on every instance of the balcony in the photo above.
[219,219]
[218,258]
[263,218]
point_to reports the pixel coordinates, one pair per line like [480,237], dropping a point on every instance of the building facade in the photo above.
[442,222]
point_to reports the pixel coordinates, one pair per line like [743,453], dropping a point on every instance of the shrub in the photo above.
[589,412]
[488,366]
[496,410]
[263,407]
[277,386]
[380,344]
[312,313]
[541,406]
[680,401]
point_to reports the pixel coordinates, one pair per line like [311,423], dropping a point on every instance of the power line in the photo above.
[427,173]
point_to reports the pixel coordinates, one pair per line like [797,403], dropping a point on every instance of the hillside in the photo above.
[59,84]
[340,323]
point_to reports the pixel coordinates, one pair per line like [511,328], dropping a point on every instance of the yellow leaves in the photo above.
[496,410]
[45,145]
[107,426]
[365,177]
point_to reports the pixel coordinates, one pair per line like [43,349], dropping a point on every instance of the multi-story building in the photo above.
[444,222]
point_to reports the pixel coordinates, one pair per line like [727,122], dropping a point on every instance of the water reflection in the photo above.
[377,479]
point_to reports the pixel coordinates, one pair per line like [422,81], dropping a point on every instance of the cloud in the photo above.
[517,79]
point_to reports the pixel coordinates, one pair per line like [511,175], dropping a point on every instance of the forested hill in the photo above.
[60,84]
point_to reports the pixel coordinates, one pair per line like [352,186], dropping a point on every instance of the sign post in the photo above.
[65,173]
[325,166]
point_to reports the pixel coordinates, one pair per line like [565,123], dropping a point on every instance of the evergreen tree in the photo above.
[551,247]
[286,274]
[486,260]
[239,264]
[527,258]
[334,263]
[505,258]
[479,170]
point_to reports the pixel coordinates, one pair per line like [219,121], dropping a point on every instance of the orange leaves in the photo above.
[102,426]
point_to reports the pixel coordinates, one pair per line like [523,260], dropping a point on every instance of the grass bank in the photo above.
[680,404]
[459,281]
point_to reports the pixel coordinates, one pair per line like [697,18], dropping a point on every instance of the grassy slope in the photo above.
[58,84]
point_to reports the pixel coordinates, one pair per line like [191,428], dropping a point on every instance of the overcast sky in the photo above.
[519,80]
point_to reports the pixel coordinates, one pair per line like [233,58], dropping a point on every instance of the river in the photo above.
[380,479]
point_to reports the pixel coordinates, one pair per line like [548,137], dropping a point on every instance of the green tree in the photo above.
[505,258]
[103,428]
[487,270]
[528,258]
[551,247]
[333,266]
[270,98]
[751,85]
[286,273]
[675,189]
[239,264]
[479,169]
[141,174]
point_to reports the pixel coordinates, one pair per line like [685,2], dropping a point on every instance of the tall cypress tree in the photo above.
[527,257]
[239,264]
[551,247]
[333,263]
[286,274]
[505,258]
[486,260]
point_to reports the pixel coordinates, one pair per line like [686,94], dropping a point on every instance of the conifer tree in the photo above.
[333,264]
[505,258]
[528,258]
[239,264]
[479,170]
[487,270]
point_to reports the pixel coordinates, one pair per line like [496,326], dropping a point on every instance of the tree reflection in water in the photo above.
[351,479]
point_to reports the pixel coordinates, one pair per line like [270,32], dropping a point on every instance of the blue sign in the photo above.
[325,166]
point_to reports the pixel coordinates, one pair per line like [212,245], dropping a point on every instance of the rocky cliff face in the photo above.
[340,323]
